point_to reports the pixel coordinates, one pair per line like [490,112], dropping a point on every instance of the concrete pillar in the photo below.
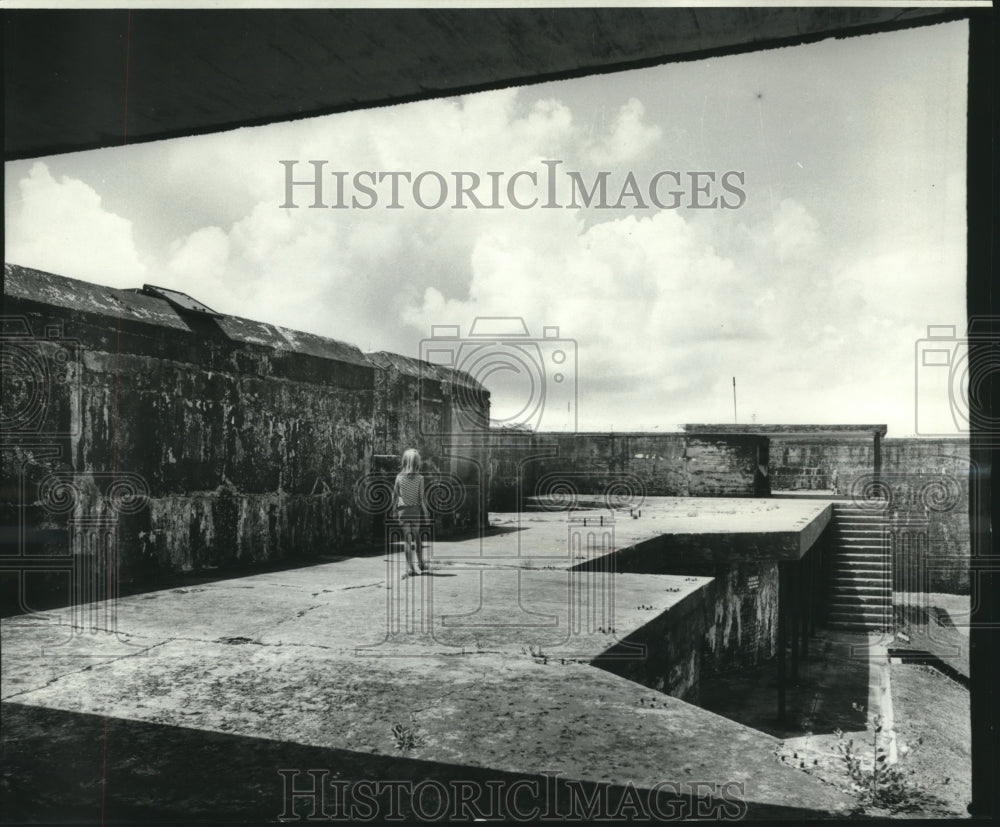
[782,636]
[794,603]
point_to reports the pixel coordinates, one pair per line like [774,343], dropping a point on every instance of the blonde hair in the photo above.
[411,461]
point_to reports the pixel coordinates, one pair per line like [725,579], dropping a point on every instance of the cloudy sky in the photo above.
[813,292]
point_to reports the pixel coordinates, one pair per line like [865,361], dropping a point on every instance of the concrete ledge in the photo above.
[485,711]
[490,658]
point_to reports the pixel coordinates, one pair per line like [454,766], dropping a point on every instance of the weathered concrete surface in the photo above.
[925,478]
[713,530]
[624,466]
[929,479]
[444,414]
[279,656]
[737,543]
[203,442]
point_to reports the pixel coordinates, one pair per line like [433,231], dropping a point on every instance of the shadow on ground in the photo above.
[40,591]
[64,766]
[831,691]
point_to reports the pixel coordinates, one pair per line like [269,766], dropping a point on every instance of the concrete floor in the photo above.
[323,665]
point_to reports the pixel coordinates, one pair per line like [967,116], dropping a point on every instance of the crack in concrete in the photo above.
[473,686]
[86,668]
[362,586]
[254,642]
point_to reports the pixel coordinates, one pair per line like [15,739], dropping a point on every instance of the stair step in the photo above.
[862,505]
[863,537]
[856,511]
[877,587]
[850,558]
[875,601]
[863,554]
[863,528]
[867,575]
[863,569]
[843,626]
[871,587]
[879,620]
[860,513]
[851,614]
[872,538]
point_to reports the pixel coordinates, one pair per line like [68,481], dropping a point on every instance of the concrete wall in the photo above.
[742,628]
[739,627]
[524,464]
[193,442]
[445,416]
[927,482]
[819,463]
[674,650]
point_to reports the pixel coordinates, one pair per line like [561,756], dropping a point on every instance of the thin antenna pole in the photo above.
[735,420]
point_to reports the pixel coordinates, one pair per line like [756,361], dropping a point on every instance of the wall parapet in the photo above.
[524,464]
[249,438]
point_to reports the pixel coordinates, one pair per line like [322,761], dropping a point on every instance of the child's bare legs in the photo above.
[420,550]
[410,539]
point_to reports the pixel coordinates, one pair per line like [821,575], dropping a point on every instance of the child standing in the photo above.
[408,498]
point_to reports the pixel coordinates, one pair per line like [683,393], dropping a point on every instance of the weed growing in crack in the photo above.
[874,780]
[407,737]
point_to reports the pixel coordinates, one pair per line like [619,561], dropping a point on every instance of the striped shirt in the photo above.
[408,492]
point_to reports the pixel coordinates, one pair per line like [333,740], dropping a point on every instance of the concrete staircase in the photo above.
[860,569]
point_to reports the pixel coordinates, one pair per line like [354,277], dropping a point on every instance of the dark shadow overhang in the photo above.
[83,79]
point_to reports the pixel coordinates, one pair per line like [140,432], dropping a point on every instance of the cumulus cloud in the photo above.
[794,293]
[629,138]
[644,299]
[792,232]
[61,226]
